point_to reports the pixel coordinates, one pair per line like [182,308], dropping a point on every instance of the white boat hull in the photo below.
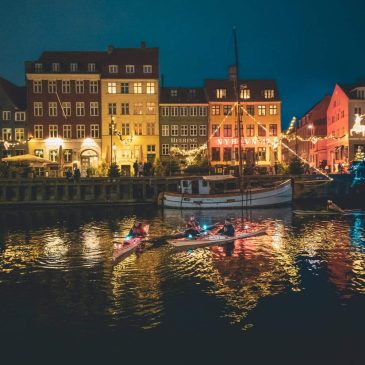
[282,194]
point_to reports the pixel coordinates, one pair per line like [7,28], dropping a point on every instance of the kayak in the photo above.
[211,240]
[126,248]
[328,212]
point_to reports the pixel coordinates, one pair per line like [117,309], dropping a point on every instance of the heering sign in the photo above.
[184,140]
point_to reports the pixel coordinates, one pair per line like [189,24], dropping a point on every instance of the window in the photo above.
[79,87]
[221,93]
[227,154]
[91,67]
[250,130]
[236,130]
[67,131]
[174,130]
[112,87]
[37,86]
[112,108]
[73,67]
[129,69]
[113,69]
[38,153]
[273,110]
[93,87]
[53,155]
[184,130]
[164,110]
[55,67]
[38,67]
[38,131]
[138,129]
[150,88]
[66,86]
[184,146]
[193,111]
[7,135]
[52,86]
[269,94]
[357,111]
[125,129]
[165,130]
[203,111]
[19,116]
[261,129]
[80,108]
[227,130]
[147,69]
[193,146]
[124,108]
[150,129]
[261,154]
[150,108]
[184,111]
[137,87]
[38,109]
[165,149]
[138,108]
[151,148]
[6,115]
[173,92]
[245,94]
[215,109]
[53,131]
[360,94]
[94,108]
[227,110]
[193,130]
[67,155]
[174,111]
[261,109]
[124,88]
[66,108]
[94,130]
[52,109]
[216,154]
[273,130]
[250,109]
[215,130]
[80,131]
[202,130]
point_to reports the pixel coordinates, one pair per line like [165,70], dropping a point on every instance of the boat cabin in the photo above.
[204,185]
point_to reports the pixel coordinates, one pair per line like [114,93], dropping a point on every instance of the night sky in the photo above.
[306,45]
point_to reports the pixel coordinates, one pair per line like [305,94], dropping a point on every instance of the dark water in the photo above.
[295,296]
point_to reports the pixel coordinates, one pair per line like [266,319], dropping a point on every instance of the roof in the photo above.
[256,88]
[184,95]
[348,89]
[11,95]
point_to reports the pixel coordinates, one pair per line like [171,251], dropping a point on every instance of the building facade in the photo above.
[13,119]
[345,124]
[260,122]
[130,97]
[183,119]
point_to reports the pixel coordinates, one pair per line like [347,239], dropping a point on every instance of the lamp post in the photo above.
[111,132]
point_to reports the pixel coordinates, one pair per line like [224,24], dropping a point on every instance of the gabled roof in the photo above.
[349,89]
[184,95]
[11,95]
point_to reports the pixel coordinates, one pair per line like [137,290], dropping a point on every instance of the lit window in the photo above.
[137,87]
[273,130]
[273,110]
[150,88]
[269,94]
[6,134]
[67,155]
[261,110]
[150,108]
[245,93]
[53,155]
[215,109]
[138,129]
[261,153]
[112,87]
[227,110]
[38,153]
[138,108]
[221,93]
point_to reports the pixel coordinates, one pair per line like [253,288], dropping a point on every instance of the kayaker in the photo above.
[138,230]
[192,227]
[227,229]
[332,206]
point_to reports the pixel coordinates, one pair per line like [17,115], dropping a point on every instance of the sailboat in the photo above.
[202,193]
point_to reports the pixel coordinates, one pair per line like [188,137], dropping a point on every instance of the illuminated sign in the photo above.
[358,128]
[184,140]
[247,141]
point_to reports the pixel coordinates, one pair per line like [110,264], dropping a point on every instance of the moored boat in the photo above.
[328,212]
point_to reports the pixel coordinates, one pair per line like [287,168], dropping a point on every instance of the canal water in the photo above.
[293,296]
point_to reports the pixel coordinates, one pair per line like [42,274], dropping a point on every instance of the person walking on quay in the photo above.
[140,169]
[77,174]
[135,168]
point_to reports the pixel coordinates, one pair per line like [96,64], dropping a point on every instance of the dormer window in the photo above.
[73,67]
[129,69]
[269,94]
[91,67]
[173,92]
[113,69]
[147,69]
[360,93]
[55,67]
[221,93]
[245,93]
[38,67]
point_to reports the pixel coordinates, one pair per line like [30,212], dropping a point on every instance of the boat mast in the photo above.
[236,87]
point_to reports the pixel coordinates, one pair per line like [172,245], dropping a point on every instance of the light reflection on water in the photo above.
[68,254]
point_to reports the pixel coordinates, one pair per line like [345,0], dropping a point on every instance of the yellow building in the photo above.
[129,97]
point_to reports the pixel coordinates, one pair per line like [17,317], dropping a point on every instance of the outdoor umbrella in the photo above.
[27,158]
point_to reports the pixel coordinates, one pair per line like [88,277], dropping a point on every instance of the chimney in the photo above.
[143,44]
[110,49]
[232,72]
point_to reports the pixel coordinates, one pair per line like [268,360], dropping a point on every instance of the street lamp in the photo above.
[115,153]
[111,133]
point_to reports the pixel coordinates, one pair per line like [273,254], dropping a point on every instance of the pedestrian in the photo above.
[135,168]
[140,169]
[276,167]
[77,174]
